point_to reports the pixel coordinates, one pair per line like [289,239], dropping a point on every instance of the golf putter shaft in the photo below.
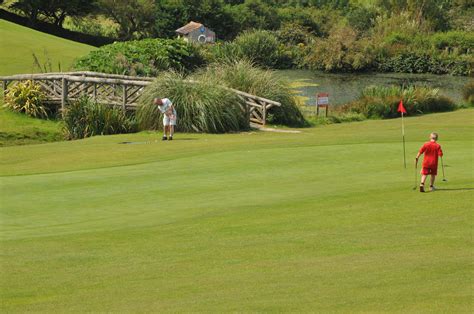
[442,167]
[416,176]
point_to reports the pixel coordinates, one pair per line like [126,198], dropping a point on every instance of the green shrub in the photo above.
[85,118]
[361,18]
[336,117]
[27,97]
[462,42]
[348,117]
[468,93]
[202,106]
[222,52]
[261,47]
[243,76]
[293,34]
[382,102]
[342,51]
[414,62]
[142,57]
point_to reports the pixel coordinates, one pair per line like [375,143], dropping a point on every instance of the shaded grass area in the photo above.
[324,220]
[18,43]
[19,129]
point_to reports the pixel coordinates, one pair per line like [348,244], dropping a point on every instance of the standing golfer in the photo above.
[169,116]
[432,151]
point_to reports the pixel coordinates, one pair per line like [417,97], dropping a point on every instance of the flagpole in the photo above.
[403,137]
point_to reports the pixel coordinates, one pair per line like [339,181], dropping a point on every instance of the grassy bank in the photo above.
[18,43]
[18,129]
[324,220]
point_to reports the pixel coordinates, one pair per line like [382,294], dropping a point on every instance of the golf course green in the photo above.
[325,220]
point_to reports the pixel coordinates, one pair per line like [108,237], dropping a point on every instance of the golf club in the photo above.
[442,167]
[416,175]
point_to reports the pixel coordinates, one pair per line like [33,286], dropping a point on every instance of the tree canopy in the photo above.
[228,18]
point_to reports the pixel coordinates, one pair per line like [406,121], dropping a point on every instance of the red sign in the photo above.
[322,99]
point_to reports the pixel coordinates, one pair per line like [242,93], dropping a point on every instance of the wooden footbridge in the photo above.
[116,90]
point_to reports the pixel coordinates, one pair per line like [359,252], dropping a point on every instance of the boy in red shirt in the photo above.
[432,151]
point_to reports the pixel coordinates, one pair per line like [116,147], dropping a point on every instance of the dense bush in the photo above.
[412,62]
[27,97]
[468,93]
[141,57]
[382,102]
[361,18]
[85,118]
[291,34]
[202,106]
[221,52]
[335,117]
[342,51]
[243,76]
[262,47]
[455,41]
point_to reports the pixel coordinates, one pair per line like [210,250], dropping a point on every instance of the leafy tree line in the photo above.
[420,36]
[159,18]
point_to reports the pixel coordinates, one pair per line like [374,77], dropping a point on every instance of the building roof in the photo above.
[188,28]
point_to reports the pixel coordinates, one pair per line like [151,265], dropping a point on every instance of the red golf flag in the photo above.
[401,108]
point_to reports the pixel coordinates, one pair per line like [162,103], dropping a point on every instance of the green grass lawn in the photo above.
[18,129]
[18,43]
[322,221]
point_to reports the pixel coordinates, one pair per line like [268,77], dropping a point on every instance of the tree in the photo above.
[135,17]
[434,12]
[361,18]
[54,11]
[58,10]
[29,8]
[215,14]
[255,14]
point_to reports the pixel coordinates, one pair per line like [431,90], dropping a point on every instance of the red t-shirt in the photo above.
[431,150]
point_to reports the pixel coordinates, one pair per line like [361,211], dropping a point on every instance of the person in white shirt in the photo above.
[169,116]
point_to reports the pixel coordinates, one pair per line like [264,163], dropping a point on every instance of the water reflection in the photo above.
[346,87]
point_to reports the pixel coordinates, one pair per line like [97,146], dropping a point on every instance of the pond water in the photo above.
[343,88]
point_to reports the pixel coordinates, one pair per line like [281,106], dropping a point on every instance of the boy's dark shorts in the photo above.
[429,171]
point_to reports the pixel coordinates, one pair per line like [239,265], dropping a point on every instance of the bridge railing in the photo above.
[117,90]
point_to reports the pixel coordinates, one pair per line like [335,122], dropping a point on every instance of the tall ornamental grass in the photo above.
[202,105]
[468,93]
[382,102]
[85,118]
[243,76]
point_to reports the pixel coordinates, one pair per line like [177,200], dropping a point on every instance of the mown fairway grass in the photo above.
[18,43]
[325,220]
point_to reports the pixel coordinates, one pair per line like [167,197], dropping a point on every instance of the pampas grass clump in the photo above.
[201,105]
[244,76]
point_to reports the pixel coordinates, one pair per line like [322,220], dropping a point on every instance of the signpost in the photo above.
[322,101]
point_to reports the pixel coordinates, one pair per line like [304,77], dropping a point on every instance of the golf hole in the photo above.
[134,143]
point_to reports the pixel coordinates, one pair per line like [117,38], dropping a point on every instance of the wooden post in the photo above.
[94,92]
[264,114]
[5,84]
[64,93]
[124,97]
